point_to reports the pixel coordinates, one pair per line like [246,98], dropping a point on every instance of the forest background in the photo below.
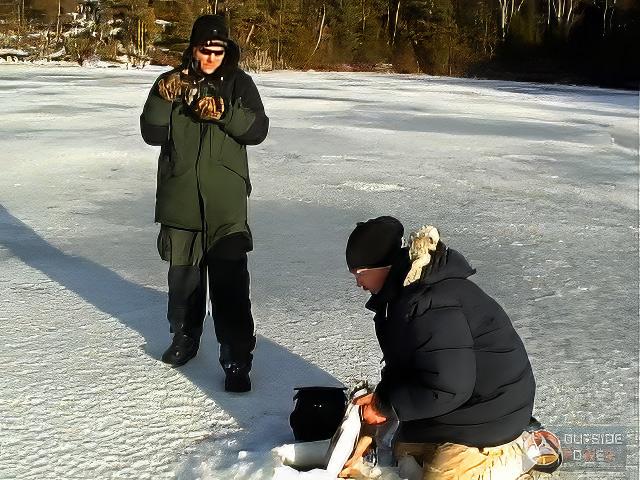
[561,41]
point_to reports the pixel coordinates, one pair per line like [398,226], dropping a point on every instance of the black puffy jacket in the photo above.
[455,368]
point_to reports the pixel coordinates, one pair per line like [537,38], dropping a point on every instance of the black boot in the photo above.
[236,368]
[185,312]
[236,378]
[182,349]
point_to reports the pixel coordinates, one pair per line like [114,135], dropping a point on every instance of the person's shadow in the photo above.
[262,414]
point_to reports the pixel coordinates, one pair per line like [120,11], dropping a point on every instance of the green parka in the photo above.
[203,176]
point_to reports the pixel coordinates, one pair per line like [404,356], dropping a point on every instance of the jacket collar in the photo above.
[392,285]
[231,59]
[451,264]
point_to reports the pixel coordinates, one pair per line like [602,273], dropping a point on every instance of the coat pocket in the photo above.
[164,245]
[185,142]
[234,157]
[165,165]
[180,163]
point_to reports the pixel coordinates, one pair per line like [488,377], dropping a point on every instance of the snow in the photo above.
[537,185]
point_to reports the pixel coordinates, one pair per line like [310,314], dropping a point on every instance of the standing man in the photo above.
[456,373]
[203,115]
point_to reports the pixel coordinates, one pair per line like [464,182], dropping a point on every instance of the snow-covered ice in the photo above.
[536,184]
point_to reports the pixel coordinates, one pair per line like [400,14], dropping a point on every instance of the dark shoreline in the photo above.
[594,79]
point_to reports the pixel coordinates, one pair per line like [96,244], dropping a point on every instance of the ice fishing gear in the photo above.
[317,413]
[354,440]
[356,450]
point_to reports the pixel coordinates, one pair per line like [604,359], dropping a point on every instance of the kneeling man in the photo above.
[456,373]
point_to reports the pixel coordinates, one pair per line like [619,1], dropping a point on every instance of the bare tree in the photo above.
[58,27]
[505,14]
[395,23]
[279,40]
[324,14]
[561,10]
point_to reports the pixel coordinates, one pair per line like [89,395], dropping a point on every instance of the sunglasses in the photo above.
[208,51]
[363,271]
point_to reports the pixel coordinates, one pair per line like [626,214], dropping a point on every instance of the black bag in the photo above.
[318,412]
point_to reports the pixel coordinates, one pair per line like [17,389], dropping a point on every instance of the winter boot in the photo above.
[183,348]
[186,313]
[236,369]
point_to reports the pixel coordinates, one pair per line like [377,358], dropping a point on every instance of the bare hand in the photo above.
[210,108]
[361,448]
[368,411]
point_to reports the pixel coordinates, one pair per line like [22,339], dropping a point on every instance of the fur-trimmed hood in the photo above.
[432,261]
[407,274]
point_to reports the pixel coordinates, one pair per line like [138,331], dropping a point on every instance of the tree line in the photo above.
[583,40]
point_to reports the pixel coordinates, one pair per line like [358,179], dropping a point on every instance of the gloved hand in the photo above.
[209,108]
[176,85]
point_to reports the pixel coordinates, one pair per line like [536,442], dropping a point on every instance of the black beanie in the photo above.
[209,27]
[374,243]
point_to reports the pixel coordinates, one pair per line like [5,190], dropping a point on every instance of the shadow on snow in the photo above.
[261,414]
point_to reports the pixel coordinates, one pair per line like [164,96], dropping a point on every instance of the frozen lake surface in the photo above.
[537,185]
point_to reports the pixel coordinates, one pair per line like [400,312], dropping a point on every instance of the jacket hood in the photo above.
[432,261]
[451,264]
[410,271]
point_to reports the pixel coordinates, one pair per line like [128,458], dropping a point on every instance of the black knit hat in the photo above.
[374,243]
[209,27]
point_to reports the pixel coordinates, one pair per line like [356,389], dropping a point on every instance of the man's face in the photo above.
[209,58]
[371,279]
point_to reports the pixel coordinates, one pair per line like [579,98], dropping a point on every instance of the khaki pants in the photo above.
[450,461]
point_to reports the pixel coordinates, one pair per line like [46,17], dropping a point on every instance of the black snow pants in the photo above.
[229,289]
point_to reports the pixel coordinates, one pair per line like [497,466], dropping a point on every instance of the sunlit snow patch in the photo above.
[373,187]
